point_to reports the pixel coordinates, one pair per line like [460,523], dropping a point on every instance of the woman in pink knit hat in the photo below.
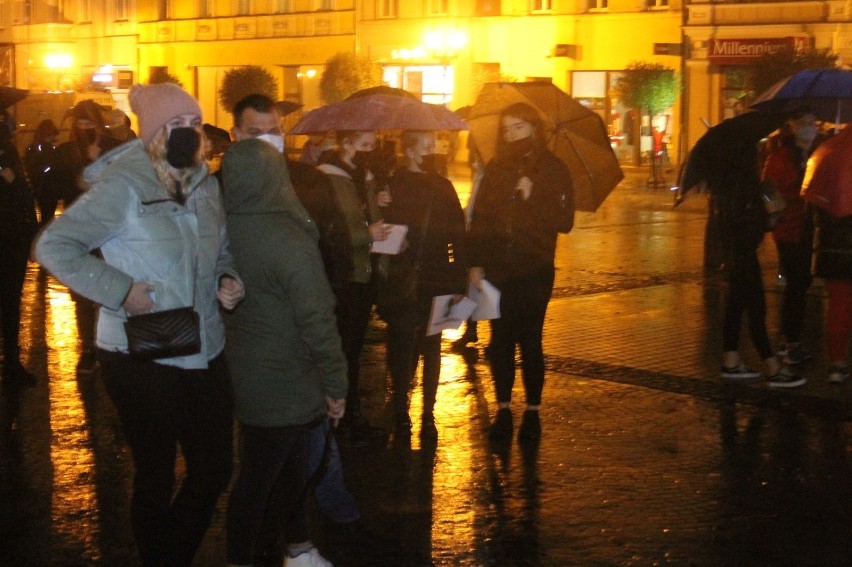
[156,216]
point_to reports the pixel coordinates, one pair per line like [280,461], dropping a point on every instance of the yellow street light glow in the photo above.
[58,60]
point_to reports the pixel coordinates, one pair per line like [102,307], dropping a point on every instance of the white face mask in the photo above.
[275,140]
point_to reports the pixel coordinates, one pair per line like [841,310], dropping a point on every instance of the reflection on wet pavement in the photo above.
[646,459]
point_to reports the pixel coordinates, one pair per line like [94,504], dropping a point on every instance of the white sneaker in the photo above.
[310,558]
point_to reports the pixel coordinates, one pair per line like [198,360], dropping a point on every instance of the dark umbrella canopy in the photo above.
[575,134]
[285,107]
[828,92]
[724,147]
[378,112]
[828,178]
[11,95]
[382,90]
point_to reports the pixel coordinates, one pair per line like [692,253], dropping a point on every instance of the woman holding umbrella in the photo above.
[519,211]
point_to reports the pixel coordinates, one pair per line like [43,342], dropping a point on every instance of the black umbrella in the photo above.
[11,95]
[285,107]
[724,149]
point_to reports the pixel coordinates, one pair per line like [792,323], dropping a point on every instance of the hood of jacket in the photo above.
[255,179]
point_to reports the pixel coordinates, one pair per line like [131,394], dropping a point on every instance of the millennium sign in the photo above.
[744,51]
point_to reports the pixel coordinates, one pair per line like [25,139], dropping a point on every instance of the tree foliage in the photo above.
[650,87]
[773,67]
[239,82]
[346,73]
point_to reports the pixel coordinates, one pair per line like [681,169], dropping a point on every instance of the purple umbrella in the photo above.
[378,112]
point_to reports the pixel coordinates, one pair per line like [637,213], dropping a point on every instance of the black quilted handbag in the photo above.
[164,334]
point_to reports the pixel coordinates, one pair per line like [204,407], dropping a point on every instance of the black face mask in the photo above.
[87,136]
[520,147]
[362,159]
[182,147]
[432,163]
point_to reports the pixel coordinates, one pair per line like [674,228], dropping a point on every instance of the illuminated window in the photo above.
[388,8]
[324,5]
[205,8]
[243,7]
[658,3]
[541,5]
[120,7]
[598,4]
[285,6]
[85,10]
[164,9]
[437,7]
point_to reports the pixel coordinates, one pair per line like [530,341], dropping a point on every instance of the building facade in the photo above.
[444,50]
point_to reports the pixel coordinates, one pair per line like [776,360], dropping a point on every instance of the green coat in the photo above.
[282,344]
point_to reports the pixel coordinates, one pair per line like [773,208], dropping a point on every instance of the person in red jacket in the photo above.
[784,168]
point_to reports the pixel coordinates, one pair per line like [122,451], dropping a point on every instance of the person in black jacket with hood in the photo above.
[427,203]
[525,199]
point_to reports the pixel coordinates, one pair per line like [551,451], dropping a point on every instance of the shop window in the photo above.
[388,8]
[537,6]
[737,91]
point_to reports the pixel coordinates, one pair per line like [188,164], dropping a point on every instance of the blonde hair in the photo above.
[157,150]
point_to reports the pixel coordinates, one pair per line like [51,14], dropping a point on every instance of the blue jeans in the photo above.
[332,496]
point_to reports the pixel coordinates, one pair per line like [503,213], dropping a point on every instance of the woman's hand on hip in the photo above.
[139,299]
[230,292]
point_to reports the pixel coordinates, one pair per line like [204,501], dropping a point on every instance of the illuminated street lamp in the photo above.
[445,46]
[58,63]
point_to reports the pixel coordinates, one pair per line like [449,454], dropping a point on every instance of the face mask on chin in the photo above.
[182,147]
[274,140]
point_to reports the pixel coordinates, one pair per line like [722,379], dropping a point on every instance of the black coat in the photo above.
[18,221]
[833,247]
[442,251]
[317,195]
[510,236]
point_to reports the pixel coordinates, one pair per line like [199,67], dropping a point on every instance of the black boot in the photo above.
[501,429]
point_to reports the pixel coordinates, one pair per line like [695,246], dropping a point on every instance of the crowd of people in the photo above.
[275,258]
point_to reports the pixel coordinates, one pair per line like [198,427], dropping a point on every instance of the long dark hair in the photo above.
[44,130]
[526,113]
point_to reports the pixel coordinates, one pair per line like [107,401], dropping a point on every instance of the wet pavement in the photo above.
[646,457]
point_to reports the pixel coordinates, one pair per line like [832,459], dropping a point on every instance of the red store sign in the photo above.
[743,51]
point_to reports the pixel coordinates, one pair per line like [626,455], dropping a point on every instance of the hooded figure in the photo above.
[288,367]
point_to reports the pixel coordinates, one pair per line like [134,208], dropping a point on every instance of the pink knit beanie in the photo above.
[155,105]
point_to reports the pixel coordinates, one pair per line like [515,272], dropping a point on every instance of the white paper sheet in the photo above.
[487,301]
[445,315]
[393,243]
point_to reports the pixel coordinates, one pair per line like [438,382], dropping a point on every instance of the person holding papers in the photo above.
[428,264]
[525,199]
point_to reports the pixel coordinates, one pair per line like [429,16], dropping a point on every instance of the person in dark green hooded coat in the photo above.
[286,359]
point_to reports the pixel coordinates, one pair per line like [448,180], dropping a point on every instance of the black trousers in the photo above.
[523,305]
[163,407]
[407,342]
[795,259]
[13,269]
[745,294]
[353,317]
